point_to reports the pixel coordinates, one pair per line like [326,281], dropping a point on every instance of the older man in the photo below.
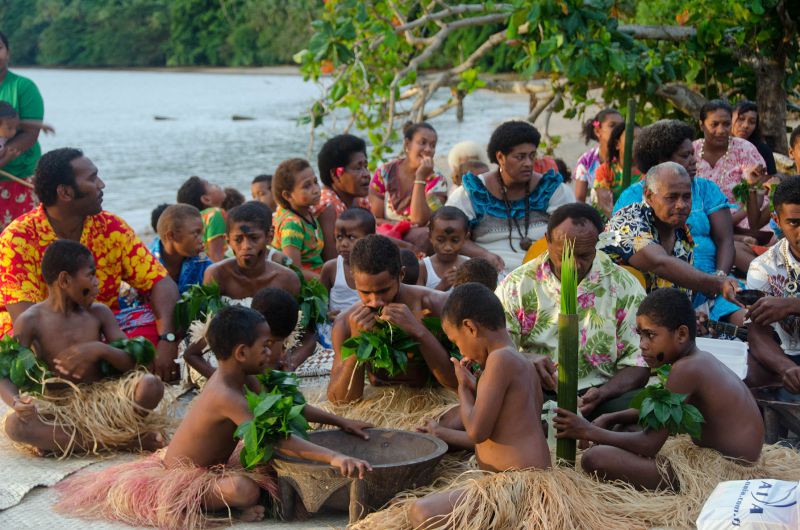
[653,237]
[71,196]
[610,367]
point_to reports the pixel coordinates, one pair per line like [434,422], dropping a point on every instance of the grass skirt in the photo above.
[103,415]
[564,498]
[146,493]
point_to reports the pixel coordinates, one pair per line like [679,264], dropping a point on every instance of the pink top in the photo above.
[328,197]
[385,186]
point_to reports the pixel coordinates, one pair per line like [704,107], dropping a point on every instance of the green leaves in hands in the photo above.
[139,348]
[21,366]
[660,408]
[313,301]
[197,302]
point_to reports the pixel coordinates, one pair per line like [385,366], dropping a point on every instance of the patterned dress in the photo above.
[293,231]
[328,197]
[385,186]
[608,298]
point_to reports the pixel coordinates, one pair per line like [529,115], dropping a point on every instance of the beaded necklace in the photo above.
[524,241]
[723,157]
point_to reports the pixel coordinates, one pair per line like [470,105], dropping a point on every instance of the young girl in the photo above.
[449,228]
[608,177]
[297,234]
[597,129]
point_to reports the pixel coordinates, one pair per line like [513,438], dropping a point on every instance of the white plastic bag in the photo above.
[759,504]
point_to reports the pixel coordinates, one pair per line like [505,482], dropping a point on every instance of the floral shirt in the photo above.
[293,231]
[328,197]
[587,166]
[633,228]
[609,176]
[607,301]
[118,252]
[770,272]
[384,186]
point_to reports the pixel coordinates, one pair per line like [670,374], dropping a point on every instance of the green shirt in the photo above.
[23,95]
[293,231]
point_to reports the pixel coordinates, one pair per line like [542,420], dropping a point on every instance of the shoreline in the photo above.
[285,69]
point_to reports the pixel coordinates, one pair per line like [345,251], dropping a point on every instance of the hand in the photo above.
[450,276]
[401,316]
[603,421]
[791,379]
[547,370]
[348,465]
[756,174]
[356,427]
[463,375]
[333,313]
[77,361]
[496,261]
[570,425]
[361,319]
[24,407]
[590,400]
[164,364]
[728,288]
[429,427]
[701,319]
[772,309]
[425,169]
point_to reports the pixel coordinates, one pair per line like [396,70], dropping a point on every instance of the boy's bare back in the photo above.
[517,439]
[733,424]
[235,283]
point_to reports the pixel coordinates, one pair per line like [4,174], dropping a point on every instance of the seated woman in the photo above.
[710,219]
[746,127]
[463,153]
[344,172]
[597,129]
[608,178]
[409,188]
[509,207]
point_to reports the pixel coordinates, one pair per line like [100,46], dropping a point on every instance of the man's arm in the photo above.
[473,250]
[163,298]
[347,377]
[645,443]
[771,356]
[628,378]
[653,258]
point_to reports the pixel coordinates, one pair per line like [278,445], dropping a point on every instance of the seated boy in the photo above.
[410,265]
[233,198]
[199,473]
[69,332]
[449,229]
[477,270]
[733,426]
[261,191]
[207,198]
[179,245]
[500,411]
[377,274]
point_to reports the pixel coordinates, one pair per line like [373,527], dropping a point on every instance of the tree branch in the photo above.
[670,33]
[682,97]
[444,13]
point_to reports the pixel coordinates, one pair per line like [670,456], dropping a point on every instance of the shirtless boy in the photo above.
[501,410]
[667,328]
[375,265]
[69,332]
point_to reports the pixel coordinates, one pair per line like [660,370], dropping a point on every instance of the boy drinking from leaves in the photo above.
[501,410]
[70,334]
[199,472]
[731,421]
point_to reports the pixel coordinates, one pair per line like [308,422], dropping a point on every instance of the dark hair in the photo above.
[254,212]
[510,134]
[409,260]
[712,105]
[449,213]
[284,178]
[477,270]
[4,40]
[613,140]
[670,308]
[233,198]
[366,221]
[337,152]
[232,326]
[579,212]
[173,217]
[54,169]
[787,192]
[657,142]
[64,255]
[7,111]
[588,127]
[192,191]
[794,138]
[279,308]
[262,178]
[156,214]
[411,128]
[375,254]
[476,302]
[744,107]
[566,174]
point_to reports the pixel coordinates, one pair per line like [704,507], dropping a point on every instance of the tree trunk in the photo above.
[771,101]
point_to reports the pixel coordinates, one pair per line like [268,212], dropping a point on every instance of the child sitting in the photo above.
[233,198]
[179,245]
[501,410]
[297,232]
[666,326]
[476,270]
[207,198]
[476,167]
[199,473]
[410,264]
[449,229]
[261,190]
[69,332]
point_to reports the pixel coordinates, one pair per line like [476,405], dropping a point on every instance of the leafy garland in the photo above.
[197,302]
[277,414]
[21,366]
[659,408]
[141,349]
[313,300]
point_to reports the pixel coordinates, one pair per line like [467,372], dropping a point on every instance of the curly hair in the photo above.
[64,255]
[254,212]
[657,143]
[337,152]
[53,170]
[284,178]
[476,302]
[712,105]
[192,191]
[509,135]
[232,326]
[375,254]
[670,308]
[787,192]
[279,308]
[588,127]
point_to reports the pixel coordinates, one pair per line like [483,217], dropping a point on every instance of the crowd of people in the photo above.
[660,260]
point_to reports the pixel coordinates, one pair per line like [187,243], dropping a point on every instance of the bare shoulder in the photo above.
[100,311]
[286,277]
[215,269]
[430,300]
[508,357]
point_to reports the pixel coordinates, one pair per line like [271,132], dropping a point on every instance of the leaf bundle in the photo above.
[660,408]
[21,366]
[197,302]
[141,349]
[568,347]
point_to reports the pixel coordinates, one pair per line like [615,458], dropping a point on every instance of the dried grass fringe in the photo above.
[564,498]
[103,415]
[146,493]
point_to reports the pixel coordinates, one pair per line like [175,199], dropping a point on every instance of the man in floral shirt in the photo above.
[610,367]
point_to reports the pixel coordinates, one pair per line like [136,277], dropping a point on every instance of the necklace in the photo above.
[524,241]
[724,155]
[792,275]
[312,222]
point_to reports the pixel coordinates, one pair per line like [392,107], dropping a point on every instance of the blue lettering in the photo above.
[756,509]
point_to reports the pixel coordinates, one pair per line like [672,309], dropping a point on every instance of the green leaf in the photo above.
[266,404]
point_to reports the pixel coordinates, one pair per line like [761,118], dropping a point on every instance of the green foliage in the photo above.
[277,414]
[141,349]
[569,280]
[197,302]
[313,300]
[659,408]
[21,366]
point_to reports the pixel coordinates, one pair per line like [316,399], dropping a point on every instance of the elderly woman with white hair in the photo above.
[466,157]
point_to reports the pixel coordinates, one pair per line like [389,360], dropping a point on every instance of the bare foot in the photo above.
[251,514]
[151,441]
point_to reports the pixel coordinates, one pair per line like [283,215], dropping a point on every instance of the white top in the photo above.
[433,278]
[342,297]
